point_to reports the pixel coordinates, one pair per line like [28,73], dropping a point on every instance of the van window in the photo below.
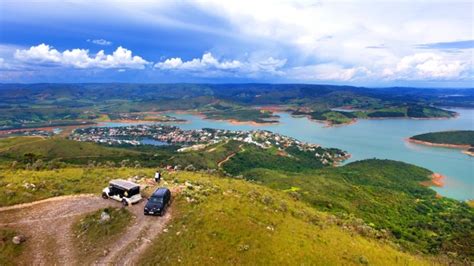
[134,191]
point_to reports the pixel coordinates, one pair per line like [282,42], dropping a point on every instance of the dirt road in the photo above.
[226,159]
[48,224]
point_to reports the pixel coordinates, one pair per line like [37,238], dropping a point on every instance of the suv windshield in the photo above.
[156,200]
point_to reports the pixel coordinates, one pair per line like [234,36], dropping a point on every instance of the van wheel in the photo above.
[124,203]
[104,195]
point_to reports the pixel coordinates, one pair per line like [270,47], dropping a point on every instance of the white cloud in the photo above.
[79,58]
[426,66]
[100,42]
[209,63]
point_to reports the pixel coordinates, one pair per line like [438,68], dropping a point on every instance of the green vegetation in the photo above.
[387,195]
[333,117]
[458,137]
[20,186]
[375,198]
[402,111]
[207,158]
[39,105]
[224,221]
[92,234]
[8,250]
[222,111]
[50,153]
[291,159]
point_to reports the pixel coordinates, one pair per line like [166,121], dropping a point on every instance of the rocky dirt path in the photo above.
[128,248]
[226,159]
[47,225]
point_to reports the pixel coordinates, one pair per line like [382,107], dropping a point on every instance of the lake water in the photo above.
[383,139]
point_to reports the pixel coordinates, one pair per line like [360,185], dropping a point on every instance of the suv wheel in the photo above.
[104,195]
[124,203]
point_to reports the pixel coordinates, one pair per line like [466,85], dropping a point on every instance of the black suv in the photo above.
[158,202]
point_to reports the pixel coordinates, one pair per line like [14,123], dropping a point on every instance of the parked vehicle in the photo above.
[122,190]
[158,202]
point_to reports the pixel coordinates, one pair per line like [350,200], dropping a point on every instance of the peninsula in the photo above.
[459,139]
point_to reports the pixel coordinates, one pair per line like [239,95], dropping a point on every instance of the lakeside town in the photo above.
[157,134]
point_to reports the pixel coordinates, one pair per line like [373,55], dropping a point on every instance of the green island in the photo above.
[463,139]
[235,197]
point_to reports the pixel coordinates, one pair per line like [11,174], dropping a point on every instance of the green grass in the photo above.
[56,152]
[57,148]
[8,250]
[64,181]
[92,236]
[255,157]
[388,195]
[236,222]
[207,158]
[457,137]
[222,111]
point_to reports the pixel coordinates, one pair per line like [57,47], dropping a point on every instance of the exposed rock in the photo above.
[18,239]
[104,217]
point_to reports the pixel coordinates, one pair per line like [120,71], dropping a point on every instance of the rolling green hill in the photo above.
[224,221]
[381,195]
[57,148]
[52,152]
[220,220]
[386,194]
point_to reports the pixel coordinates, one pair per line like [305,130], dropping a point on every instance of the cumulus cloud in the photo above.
[207,61]
[210,63]
[44,54]
[100,42]
[426,66]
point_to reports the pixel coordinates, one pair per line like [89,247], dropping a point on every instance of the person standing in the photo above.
[157,177]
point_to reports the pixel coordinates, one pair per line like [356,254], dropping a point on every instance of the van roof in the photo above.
[160,191]
[123,184]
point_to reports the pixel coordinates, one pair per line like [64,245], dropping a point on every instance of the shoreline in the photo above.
[463,147]
[467,152]
[444,145]
[231,121]
[326,123]
[131,121]
[436,180]
[355,120]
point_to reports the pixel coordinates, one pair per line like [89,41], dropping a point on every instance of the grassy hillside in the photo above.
[20,186]
[241,218]
[50,153]
[223,221]
[50,148]
[386,194]
[458,137]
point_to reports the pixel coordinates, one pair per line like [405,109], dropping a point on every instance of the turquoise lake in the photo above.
[383,139]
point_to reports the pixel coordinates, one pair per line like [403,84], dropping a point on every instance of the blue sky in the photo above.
[369,43]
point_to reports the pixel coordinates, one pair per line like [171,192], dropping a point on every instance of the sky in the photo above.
[364,43]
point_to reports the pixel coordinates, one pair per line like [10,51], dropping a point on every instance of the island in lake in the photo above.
[459,139]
